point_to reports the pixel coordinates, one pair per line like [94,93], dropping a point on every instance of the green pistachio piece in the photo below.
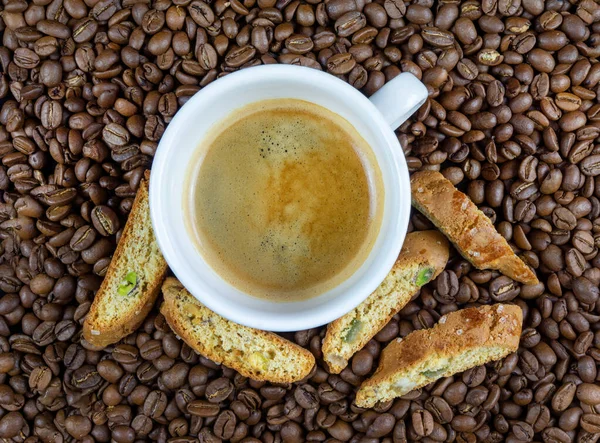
[434,374]
[131,277]
[128,285]
[259,361]
[424,276]
[352,331]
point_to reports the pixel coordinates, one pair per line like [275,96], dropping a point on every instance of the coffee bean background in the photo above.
[87,88]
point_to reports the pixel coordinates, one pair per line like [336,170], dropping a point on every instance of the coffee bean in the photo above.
[437,37]
[341,63]
[563,397]
[151,350]
[467,69]
[155,404]
[125,354]
[115,135]
[349,23]
[218,390]
[239,56]
[503,289]
[563,219]
[362,363]
[51,114]
[85,378]
[78,426]
[585,291]
[83,238]
[306,396]
[105,220]
[590,166]
[202,408]
[422,422]
[26,58]
[588,393]
[40,378]
[201,13]
[395,8]
[175,377]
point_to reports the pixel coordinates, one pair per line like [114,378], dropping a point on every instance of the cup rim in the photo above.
[331,309]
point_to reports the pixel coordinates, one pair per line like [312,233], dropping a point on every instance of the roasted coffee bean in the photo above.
[125,354]
[306,396]
[218,390]
[422,422]
[83,238]
[588,393]
[395,9]
[201,13]
[341,63]
[86,377]
[239,56]
[349,23]
[105,220]
[590,166]
[437,37]
[155,404]
[503,289]
[202,408]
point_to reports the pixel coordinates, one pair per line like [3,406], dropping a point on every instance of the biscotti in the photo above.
[459,341]
[256,354]
[424,255]
[132,281]
[473,234]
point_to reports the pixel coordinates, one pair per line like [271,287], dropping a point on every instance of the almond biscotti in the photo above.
[132,281]
[459,341]
[473,234]
[423,257]
[256,354]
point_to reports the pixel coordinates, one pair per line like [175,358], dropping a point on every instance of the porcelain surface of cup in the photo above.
[371,118]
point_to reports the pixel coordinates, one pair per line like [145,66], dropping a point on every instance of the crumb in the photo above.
[459,331]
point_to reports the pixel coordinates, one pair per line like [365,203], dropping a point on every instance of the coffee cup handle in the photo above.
[400,98]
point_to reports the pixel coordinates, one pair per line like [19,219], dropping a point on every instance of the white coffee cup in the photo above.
[374,118]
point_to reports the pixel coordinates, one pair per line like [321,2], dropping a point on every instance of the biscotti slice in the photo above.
[466,226]
[256,354]
[423,257]
[459,341]
[132,281]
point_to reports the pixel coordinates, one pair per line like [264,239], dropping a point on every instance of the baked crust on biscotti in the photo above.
[132,281]
[469,229]
[460,340]
[256,354]
[423,257]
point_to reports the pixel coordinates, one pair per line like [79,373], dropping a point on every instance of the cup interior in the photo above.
[184,135]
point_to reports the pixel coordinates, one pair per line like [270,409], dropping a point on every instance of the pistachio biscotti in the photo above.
[256,354]
[423,256]
[459,341]
[132,281]
[473,234]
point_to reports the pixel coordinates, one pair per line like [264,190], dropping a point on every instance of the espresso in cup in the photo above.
[285,199]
